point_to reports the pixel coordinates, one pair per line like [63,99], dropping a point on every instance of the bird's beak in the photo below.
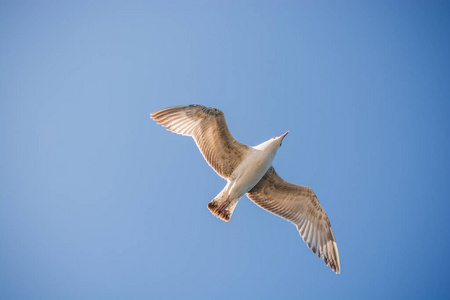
[282,137]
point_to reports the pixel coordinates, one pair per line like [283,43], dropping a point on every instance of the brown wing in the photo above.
[299,205]
[209,129]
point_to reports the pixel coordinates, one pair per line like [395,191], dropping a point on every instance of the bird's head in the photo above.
[273,144]
[276,141]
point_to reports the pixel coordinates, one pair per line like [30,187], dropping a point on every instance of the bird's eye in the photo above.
[281,144]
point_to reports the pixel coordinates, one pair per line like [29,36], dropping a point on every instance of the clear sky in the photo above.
[99,202]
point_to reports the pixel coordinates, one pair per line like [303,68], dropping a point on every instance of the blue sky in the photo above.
[99,202]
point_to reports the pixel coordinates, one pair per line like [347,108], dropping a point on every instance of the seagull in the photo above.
[248,170]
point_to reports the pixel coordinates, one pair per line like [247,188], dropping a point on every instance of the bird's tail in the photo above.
[223,207]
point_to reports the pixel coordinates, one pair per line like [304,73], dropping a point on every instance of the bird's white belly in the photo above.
[249,173]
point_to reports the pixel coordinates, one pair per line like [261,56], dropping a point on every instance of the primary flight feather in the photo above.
[248,170]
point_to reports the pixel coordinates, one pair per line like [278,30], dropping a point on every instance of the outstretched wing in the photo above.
[209,129]
[299,205]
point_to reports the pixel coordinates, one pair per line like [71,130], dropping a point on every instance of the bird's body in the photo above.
[257,160]
[248,170]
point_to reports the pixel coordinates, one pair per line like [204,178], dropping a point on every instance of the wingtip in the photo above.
[337,270]
[153,115]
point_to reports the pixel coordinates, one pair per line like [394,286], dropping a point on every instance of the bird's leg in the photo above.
[223,205]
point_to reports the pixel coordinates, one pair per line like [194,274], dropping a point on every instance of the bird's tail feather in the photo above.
[225,214]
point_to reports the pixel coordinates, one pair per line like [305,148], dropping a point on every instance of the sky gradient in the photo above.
[100,202]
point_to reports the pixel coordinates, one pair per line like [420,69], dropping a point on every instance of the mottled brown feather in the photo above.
[300,206]
[209,129]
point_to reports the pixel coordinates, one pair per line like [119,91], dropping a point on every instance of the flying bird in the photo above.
[248,170]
